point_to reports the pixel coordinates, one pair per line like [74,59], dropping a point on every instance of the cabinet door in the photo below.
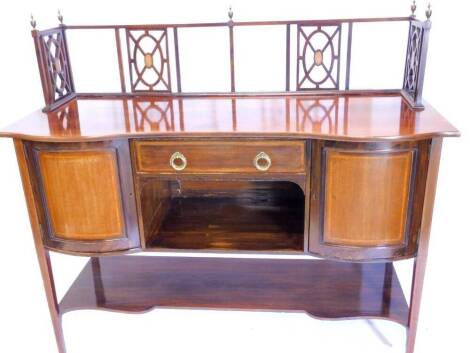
[87,196]
[366,199]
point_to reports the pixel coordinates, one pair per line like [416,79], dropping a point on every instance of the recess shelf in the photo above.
[199,223]
[322,288]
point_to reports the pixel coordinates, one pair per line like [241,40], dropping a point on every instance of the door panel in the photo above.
[82,194]
[86,193]
[366,199]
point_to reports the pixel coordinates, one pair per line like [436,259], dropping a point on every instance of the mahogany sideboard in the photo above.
[344,175]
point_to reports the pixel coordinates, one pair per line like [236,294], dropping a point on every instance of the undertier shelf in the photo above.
[322,288]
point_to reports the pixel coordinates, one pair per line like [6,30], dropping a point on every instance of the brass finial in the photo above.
[413,9]
[60,17]
[33,22]
[230,13]
[429,12]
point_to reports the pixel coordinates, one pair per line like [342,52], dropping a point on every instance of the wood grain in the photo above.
[83,194]
[153,202]
[258,216]
[121,162]
[44,260]
[225,226]
[223,156]
[362,117]
[367,197]
[325,289]
[375,198]
[419,267]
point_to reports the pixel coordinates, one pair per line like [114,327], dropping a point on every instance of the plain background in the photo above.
[24,315]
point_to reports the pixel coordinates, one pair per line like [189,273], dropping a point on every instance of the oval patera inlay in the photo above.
[57,65]
[318,57]
[148,60]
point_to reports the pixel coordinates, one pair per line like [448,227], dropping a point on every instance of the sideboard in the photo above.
[345,176]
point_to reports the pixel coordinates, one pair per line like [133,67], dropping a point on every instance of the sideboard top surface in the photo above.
[335,117]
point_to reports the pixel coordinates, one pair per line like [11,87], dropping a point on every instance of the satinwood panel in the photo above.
[82,193]
[366,197]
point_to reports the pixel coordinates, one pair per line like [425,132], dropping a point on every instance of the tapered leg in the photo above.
[98,282]
[49,286]
[415,302]
[42,252]
[420,260]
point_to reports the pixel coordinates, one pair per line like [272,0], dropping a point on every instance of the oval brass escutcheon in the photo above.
[148,59]
[318,57]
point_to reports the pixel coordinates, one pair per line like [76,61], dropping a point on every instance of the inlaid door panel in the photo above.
[82,194]
[367,199]
[86,193]
[367,195]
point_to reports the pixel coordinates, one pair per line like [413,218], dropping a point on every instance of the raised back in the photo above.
[320,53]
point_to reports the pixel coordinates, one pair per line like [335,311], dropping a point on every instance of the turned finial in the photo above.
[230,13]
[429,12]
[33,22]
[60,17]
[413,9]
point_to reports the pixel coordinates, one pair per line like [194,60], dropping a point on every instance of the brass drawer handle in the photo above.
[178,161]
[262,161]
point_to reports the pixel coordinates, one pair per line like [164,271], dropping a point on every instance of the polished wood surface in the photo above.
[42,253]
[238,211]
[420,261]
[367,197]
[317,66]
[83,194]
[231,216]
[366,202]
[334,117]
[346,175]
[325,289]
[153,202]
[224,224]
[221,156]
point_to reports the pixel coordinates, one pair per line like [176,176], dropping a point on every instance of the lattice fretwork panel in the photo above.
[318,56]
[410,83]
[148,60]
[153,115]
[57,65]
[317,114]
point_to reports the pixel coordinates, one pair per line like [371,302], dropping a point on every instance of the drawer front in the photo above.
[247,156]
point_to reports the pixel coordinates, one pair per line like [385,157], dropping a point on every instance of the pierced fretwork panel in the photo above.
[413,56]
[57,65]
[318,57]
[317,114]
[148,60]
[153,115]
